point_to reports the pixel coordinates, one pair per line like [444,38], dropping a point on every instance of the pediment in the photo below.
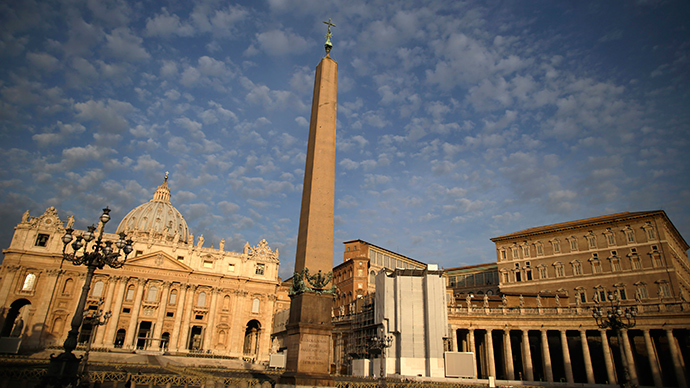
[158,260]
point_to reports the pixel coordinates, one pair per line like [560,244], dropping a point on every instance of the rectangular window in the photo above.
[540,250]
[592,241]
[180,258]
[504,276]
[559,271]
[665,290]
[260,269]
[525,251]
[650,234]
[596,266]
[231,267]
[573,244]
[630,235]
[170,314]
[602,295]
[615,265]
[583,297]
[542,272]
[125,310]
[208,264]
[42,240]
[504,256]
[556,247]
[657,261]
[518,276]
[636,263]
[642,292]
[515,253]
[138,253]
[621,294]
[611,239]
[577,269]
[528,274]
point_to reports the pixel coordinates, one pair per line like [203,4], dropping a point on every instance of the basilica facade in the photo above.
[173,294]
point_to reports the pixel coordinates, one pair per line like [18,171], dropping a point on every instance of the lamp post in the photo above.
[63,369]
[617,319]
[378,345]
[93,318]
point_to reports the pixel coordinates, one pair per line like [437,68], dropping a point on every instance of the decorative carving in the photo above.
[261,252]
[317,281]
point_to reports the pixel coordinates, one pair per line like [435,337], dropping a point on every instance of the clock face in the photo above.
[48,221]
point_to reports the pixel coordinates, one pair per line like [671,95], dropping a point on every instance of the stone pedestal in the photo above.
[309,332]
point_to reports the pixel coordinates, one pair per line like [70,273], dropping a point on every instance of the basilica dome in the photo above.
[158,217]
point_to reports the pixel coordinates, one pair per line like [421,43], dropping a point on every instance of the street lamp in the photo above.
[94,319]
[617,319]
[378,345]
[63,369]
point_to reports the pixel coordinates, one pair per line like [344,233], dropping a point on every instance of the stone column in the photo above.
[588,358]
[527,356]
[160,318]
[490,352]
[566,357]
[177,327]
[131,336]
[653,362]
[210,329]
[454,339]
[111,326]
[630,360]
[546,356]
[100,331]
[9,273]
[508,353]
[189,307]
[472,347]
[607,357]
[39,319]
[677,363]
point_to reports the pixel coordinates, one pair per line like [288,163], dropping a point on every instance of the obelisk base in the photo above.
[309,331]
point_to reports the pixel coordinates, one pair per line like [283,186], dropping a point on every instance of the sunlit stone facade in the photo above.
[171,295]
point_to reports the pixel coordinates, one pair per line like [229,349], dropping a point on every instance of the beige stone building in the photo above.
[542,327]
[172,295]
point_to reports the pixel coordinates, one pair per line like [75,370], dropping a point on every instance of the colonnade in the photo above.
[174,323]
[653,355]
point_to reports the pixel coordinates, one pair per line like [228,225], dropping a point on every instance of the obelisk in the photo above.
[309,327]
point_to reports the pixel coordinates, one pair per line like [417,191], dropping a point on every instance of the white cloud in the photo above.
[278,42]
[166,25]
[124,45]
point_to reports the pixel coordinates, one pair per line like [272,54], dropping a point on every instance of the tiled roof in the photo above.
[573,224]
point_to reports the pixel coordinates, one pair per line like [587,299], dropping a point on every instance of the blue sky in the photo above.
[457,121]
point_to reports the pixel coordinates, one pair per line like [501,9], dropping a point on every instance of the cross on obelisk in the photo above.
[309,327]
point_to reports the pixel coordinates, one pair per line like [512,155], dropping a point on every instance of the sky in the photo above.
[458,121]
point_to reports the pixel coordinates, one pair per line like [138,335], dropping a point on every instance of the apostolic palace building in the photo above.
[527,316]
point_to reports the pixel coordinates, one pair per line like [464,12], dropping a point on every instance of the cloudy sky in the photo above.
[457,121]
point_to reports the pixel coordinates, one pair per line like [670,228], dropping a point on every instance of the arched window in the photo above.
[372,277]
[29,282]
[173,297]
[97,289]
[67,288]
[201,301]
[256,305]
[153,294]
[130,292]
[221,337]
[226,302]
[58,324]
